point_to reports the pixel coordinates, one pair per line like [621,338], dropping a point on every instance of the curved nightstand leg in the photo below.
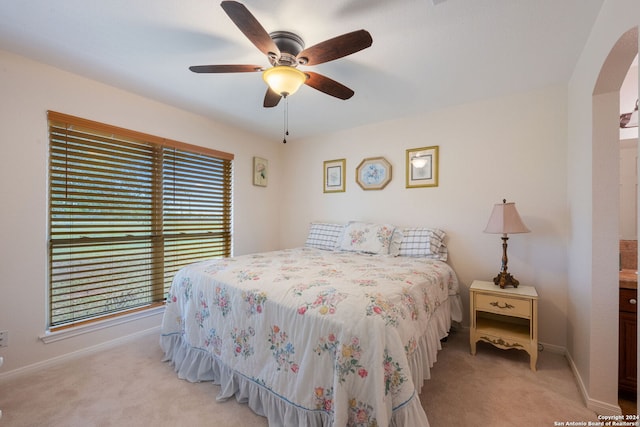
[534,359]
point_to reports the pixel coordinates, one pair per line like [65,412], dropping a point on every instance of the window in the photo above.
[126,211]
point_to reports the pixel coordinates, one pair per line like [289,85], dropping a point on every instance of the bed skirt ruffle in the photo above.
[455,304]
[195,365]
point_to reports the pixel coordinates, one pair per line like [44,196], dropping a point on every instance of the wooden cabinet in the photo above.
[627,362]
[506,318]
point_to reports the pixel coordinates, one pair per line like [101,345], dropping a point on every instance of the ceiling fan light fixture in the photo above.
[284,80]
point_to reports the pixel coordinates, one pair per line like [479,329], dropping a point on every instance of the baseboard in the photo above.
[597,406]
[79,353]
[552,348]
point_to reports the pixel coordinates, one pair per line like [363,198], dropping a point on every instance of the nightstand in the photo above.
[506,318]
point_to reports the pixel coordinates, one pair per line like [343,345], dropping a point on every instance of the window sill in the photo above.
[62,334]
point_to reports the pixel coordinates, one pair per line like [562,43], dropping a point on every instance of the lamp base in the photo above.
[505,279]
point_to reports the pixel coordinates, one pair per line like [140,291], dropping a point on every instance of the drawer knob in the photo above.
[633,301]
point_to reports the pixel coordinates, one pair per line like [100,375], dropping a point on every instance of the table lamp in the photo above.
[505,220]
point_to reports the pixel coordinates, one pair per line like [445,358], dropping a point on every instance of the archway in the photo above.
[605,131]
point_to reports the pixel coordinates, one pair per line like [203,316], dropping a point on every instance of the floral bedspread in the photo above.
[325,331]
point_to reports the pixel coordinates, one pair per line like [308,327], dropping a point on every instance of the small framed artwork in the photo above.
[422,167]
[260,171]
[373,173]
[334,176]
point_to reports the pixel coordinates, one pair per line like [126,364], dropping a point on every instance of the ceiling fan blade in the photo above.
[328,86]
[250,27]
[271,99]
[336,47]
[225,68]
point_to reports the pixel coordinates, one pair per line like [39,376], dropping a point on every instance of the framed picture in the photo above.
[260,171]
[373,173]
[334,176]
[422,167]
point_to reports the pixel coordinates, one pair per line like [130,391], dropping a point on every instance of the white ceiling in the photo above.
[426,54]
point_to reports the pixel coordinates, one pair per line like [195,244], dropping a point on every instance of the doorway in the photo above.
[604,290]
[628,233]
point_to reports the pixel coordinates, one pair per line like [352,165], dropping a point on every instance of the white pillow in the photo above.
[324,236]
[424,242]
[367,238]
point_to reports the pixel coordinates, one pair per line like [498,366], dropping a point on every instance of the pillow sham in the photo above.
[367,238]
[324,235]
[423,242]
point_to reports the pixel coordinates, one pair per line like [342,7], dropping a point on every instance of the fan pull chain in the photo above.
[286,119]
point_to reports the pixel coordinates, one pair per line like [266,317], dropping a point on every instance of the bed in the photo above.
[340,332]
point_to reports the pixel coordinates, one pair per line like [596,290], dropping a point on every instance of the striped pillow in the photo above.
[423,242]
[324,235]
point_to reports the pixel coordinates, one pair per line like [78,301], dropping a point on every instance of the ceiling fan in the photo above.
[285,51]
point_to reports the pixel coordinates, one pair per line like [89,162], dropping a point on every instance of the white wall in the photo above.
[27,91]
[512,147]
[592,188]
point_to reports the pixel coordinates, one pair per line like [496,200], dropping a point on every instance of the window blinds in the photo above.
[127,210]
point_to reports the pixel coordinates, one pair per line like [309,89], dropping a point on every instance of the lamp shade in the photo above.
[283,79]
[505,220]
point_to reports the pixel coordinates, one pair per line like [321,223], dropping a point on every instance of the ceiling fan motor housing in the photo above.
[290,46]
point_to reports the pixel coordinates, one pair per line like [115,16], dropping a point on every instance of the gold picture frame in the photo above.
[373,173]
[333,176]
[422,167]
[260,171]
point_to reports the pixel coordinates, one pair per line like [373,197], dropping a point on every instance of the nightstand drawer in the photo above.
[503,305]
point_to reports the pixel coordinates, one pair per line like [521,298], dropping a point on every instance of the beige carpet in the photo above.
[129,386]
